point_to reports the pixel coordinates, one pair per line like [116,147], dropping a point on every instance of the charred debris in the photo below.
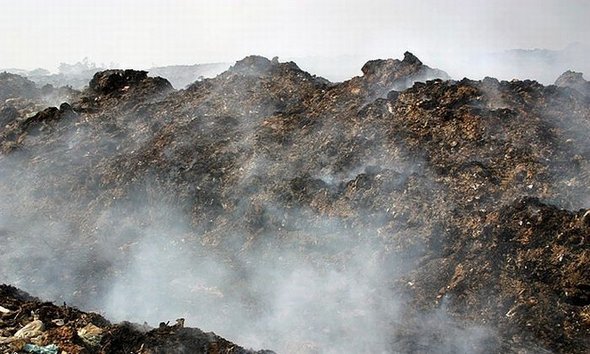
[480,187]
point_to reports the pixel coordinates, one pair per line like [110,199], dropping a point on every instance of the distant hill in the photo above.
[78,75]
[182,75]
[540,64]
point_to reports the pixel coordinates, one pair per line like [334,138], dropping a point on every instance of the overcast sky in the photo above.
[141,34]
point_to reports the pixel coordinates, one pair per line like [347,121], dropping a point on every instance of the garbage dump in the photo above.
[398,211]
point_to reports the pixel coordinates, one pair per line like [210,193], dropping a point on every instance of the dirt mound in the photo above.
[574,80]
[409,68]
[115,82]
[23,104]
[15,86]
[463,201]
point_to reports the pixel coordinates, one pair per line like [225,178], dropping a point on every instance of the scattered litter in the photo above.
[31,330]
[91,334]
[58,322]
[48,349]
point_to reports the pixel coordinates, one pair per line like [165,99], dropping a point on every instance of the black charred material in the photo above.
[117,82]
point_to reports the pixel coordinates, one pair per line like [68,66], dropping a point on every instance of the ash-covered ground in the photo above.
[398,211]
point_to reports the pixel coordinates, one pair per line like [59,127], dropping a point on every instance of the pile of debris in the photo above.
[472,194]
[29,325]
[575,81]
[21,99]
[15,86]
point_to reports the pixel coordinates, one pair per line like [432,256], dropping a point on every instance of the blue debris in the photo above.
[48,349]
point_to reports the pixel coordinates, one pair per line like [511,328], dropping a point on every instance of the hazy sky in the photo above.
[41,33]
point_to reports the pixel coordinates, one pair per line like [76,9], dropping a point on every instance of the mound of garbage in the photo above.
[33,326]
[574,80]
[436,215]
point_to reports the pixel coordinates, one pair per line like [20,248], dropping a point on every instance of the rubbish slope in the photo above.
[73,331]
[397,211]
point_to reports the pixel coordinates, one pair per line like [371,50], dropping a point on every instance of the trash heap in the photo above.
[20,98]
[473,195]
[29,325]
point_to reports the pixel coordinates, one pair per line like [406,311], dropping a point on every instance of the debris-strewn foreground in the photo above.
[33,326]
[399,211]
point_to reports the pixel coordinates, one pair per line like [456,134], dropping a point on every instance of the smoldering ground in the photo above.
[247,217]
[334,297]
[322,285]
[146,263]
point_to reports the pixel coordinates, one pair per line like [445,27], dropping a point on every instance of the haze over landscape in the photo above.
[329,37]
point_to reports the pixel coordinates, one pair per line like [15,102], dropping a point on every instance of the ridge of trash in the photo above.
[486,180]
